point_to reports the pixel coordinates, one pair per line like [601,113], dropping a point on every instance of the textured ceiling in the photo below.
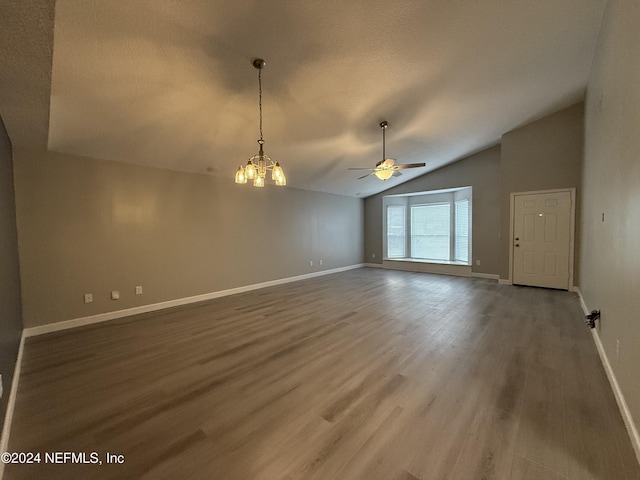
[170,83]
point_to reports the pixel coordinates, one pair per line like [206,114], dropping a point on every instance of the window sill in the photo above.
[423,260]
[459,269]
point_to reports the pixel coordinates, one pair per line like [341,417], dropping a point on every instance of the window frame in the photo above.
[450,196]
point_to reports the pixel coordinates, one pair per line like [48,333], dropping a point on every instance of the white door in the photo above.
[542,239]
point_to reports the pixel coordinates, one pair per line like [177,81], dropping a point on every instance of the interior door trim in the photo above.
[572,229]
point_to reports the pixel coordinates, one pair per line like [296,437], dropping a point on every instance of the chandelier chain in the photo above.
[260,98]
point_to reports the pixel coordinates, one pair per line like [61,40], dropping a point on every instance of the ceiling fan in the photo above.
[386,168]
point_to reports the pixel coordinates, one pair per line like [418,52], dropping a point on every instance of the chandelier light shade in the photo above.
[257,167]
[241,177]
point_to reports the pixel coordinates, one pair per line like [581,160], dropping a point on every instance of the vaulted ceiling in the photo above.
[169,83]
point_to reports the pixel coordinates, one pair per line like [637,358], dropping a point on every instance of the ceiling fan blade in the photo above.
[359,168]
[364,176]
[396,173]
[409,165]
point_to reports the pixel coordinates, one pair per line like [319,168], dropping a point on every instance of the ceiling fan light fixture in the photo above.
[384,174]
[386,168]
[388,163]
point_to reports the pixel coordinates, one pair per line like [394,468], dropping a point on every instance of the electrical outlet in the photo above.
[139,290]
[88,297]
[320,262]
[477,262]
[115,295]
[311,263]
[373,255]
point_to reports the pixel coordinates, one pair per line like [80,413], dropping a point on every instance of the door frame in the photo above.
[572,228]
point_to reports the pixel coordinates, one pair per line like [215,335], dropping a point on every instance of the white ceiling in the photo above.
[169,83]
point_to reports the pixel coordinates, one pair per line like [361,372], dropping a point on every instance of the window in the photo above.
[396,231]
[431,231]
[429,226]
[462,231]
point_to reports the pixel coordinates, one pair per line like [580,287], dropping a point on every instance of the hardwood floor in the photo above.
[366,374]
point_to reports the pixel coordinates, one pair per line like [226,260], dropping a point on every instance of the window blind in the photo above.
[462,231]
[431,231]
[396,236]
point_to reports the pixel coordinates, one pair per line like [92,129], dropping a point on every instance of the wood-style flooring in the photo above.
[366,374]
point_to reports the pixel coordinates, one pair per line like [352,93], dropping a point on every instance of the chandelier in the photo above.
[257,167]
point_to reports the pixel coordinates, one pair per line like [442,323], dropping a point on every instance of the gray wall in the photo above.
[88,225]
[480,171]
[610,253]
[10,305]
[543,155]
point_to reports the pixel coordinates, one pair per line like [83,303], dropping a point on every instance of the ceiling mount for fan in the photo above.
[386,168]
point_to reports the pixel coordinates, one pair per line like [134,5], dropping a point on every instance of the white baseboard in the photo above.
[490,276]
[103,317]
[373,265]
[505,281]
[585,310]
[632,430]
[8,418]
